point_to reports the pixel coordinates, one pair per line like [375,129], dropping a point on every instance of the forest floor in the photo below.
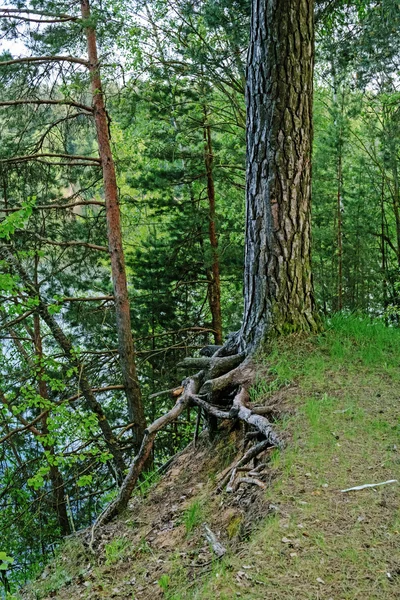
[338,395]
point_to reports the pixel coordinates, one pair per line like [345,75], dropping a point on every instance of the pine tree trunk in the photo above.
[214,288]
[278,283]
[125,342]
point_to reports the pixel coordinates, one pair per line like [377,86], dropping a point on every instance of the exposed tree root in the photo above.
[253,452]
[250,481]
[222,380]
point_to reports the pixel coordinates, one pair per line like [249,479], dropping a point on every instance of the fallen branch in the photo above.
[218,549]
[176,391]
[368,485]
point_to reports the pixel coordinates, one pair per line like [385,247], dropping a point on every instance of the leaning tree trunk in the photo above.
[126,348]
[278,284]
[56,477]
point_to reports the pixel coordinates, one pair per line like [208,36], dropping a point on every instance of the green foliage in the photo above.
[5,561]
[16,220]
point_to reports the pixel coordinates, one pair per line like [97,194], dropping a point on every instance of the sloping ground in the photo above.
[302,538]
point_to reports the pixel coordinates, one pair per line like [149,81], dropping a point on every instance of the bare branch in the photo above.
[17,320]
[44,59]
[28,426]
[72,243]
[98,390]
[47,101]
[38,13]
[28,157]
[87,299]
[57,206]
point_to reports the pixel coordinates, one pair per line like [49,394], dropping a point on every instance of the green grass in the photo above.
[193,516]
[116,550]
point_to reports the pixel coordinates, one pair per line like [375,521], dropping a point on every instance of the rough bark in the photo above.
[125,342]
[277,282]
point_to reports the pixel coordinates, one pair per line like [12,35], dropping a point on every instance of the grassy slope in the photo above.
[343,391]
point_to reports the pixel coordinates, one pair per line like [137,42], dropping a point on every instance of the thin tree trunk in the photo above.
[396,200]
[125,341]
[71,354]
[338,124]
[383,246]
[55,474]
[339,233]
[278,283]
[214,287]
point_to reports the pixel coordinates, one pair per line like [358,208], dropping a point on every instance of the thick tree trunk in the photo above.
[278,283]
[125,342]
[214,288]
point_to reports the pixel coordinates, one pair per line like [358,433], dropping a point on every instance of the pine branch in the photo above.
[72,243]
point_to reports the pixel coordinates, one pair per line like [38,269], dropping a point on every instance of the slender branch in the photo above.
[67,164]
[57,206]
[38,13]
[47,102]
[74,243]
[86,299]
[30,425]
[97,390]
[20,429]
[17,320]
[29,157]
[20,418]
[44,59]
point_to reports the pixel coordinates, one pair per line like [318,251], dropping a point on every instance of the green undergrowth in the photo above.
[339,394]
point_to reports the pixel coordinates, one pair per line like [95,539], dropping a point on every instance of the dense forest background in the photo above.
[173,75]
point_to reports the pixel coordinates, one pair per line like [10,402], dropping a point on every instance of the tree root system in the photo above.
[219,390]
